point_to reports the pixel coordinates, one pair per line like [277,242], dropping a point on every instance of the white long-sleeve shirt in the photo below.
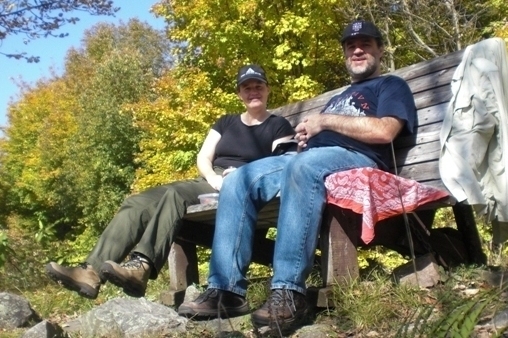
[474,136]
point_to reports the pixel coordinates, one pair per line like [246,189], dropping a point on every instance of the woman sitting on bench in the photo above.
[148,222]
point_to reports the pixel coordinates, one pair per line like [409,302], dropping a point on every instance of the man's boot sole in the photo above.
[83,289]
[213,313]
[129,288]
[285,325]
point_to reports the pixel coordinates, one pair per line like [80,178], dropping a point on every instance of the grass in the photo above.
[366,307]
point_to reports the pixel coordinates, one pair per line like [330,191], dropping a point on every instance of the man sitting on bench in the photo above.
[354,130]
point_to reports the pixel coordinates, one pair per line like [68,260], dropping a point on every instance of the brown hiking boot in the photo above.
[284,311]
[83,279]
[215,303]
[132,276]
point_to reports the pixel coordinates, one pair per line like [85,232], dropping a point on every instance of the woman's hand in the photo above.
[227,171]
[215,181]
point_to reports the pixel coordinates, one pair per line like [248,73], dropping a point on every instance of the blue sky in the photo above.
[52,51]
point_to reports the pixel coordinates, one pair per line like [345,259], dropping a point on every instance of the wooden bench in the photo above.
[417,158]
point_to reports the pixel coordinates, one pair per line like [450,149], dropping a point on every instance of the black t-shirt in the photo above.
[378,97]
[240,144]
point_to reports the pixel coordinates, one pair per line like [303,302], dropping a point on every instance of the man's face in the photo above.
[363,57]
[254,93]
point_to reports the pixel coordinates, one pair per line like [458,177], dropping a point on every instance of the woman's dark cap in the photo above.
[249,72]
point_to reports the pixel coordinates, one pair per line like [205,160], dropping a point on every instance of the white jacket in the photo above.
[474,136]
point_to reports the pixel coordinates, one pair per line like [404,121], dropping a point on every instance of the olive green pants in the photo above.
[148,222]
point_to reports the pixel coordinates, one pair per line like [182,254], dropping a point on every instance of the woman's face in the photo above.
[254,94]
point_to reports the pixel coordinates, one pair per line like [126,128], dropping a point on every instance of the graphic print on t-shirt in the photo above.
[350,105]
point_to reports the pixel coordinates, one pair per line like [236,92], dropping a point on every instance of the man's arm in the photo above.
[365,129]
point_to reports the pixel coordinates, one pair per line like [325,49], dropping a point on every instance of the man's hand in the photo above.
[309,127]
[371,130]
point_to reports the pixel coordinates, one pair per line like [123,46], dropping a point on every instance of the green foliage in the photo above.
[456,322]
[4,248]
[295,42]
[68,156]
[365,305]
[173,126]
[45,234]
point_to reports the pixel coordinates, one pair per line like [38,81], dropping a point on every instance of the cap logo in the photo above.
[357,26]
[250,71]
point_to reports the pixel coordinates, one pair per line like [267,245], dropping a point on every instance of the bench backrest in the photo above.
[416,156]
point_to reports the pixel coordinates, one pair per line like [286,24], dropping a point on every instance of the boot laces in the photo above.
[83,265]
[209,293]
[134,263]
[278,299]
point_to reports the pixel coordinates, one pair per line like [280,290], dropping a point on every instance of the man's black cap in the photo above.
[249,72]
[361,28]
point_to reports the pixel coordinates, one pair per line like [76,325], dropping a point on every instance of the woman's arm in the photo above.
[205,159]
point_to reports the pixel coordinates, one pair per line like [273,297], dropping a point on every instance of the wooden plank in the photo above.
[417,154]
[432,97]
[425,95]
[430,101]
[432,114]
[420,172]
[420,77]
[430,66]
[431,80]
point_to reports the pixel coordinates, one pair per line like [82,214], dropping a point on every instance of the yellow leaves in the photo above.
[302,88]
[174,125]
[502,31]
[247,9]
[289,39]
[295,24]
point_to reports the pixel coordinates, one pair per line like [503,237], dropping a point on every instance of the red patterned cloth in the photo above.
[375,194]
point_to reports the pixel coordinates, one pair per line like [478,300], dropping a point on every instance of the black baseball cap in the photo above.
[249,72]
[361,28]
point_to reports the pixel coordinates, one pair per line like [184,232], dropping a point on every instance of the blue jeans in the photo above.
[300,180]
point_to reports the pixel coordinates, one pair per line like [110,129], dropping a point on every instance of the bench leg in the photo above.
[467,227]
[338,242]
[339,259]
[183,271]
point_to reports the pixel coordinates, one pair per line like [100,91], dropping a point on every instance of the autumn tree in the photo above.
[70,145]
[420,30]
[297,43]
[124,61]
[34,19]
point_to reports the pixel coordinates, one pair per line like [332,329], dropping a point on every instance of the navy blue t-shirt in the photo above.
[240,144]
[378,97]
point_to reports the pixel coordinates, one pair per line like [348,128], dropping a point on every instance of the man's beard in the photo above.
[363,72]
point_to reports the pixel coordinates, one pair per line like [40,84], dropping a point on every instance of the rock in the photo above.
[235,324]
[15,311]
[426,275]
[500,320]
[73,326]
[315,331]
[495,278]
[44,329]
[126,317]
[191,293]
